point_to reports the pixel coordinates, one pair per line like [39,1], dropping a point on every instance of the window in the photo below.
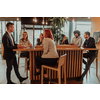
[47,27]
[30,35]
[38,29]
[65,29]
[37,35]
[38,26]
[83,27]
[0,33]
[17,26]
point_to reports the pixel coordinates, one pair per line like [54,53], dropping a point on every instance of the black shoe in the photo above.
[37,73]
[79,79]
[45,79]
[22,79]
[11,82]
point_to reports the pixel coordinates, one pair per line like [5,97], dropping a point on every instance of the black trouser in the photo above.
[91,57]
[44,61]
[25,54]
[10,63]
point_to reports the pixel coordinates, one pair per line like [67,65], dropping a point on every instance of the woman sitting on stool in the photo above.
[50,55]
[26,43]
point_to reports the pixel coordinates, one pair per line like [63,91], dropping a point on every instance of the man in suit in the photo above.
[9,54]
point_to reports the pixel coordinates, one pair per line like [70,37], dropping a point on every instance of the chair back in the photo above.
[19,52]
[62,60]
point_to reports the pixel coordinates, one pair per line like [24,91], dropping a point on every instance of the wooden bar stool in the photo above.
[61,62]
[26,66]
[96,59]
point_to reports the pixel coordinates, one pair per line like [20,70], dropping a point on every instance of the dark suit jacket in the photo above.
[8,47]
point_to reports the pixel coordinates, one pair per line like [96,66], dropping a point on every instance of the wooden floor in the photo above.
[91,79]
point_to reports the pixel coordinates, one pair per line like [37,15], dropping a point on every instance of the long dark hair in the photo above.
[26,37]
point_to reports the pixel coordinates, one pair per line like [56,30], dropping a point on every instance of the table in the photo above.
[73,65]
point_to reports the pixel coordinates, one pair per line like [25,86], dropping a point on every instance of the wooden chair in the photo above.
[96,59]
[61,62]
[26,66]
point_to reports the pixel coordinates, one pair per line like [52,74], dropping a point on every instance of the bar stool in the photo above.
[26,66]
[96,59]
[61,62]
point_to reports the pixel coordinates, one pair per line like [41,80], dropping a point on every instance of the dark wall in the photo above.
[29,21]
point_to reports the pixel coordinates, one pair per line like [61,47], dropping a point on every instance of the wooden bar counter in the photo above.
[73,63]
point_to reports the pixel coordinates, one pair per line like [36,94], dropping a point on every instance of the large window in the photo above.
[16,33]
[38,29]
[83,27]
[65,29]
[0,33]
[37,35]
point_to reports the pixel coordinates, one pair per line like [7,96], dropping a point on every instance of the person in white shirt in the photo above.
[49,56]
[77,40]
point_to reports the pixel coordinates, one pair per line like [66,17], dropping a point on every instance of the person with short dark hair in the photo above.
[77,40]
[8,24]
[91,54]
[65,40]
[9,55]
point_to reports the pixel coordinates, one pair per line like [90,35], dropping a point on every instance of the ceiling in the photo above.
[29,20]
[9,18]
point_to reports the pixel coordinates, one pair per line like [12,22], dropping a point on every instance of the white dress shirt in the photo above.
[11,38]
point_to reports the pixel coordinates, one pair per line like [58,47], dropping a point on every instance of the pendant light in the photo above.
[34,19]
[43,21]
[46,21]
[17,18]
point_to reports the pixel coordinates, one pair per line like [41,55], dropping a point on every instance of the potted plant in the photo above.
[57,23]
